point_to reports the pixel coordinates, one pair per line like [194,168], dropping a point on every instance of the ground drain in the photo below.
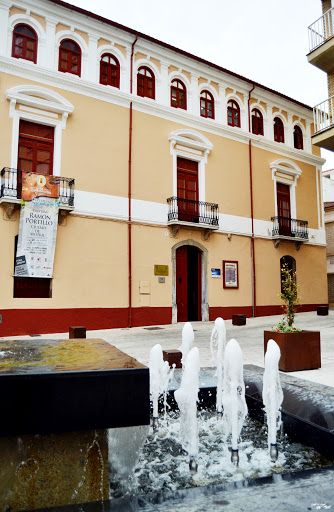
[153,328]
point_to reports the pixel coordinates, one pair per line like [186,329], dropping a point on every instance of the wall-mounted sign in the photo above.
[38,185]
[161,270]
[37,238]
[230,274]
[215,272]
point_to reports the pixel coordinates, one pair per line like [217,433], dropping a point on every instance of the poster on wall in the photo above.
[38,185]
[230,274]
[37,229]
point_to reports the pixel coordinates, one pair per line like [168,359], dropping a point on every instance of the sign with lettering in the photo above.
[37,238]
[161,270]
[230,274]
[215,272]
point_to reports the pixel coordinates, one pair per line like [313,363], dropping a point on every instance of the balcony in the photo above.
[285,228]
[323,115]
[10,192]
[321,42]
[189,213]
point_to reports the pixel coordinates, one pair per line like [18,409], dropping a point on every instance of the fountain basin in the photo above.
[59,397]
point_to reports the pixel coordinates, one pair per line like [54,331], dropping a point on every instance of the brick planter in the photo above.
[299,350]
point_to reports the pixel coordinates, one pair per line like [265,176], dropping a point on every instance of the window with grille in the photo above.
[233,114]
[109,70]
[257,122]
[278,130]
[69,57]
[178,94]
[25,43]
[298,142]
[207,105]
[145,83]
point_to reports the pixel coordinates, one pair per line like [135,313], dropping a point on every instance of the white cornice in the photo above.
[153,213]
[101,29]
[72,83]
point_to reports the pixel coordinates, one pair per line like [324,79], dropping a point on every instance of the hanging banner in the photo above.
[38,227]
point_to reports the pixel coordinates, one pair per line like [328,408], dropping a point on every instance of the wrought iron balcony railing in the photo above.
[196,212]
[10,188]
[321,30]
[285,227]
[323,115]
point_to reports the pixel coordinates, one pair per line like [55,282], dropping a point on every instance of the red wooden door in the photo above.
[283,209]
[182,283]
[35,152]
[187,190]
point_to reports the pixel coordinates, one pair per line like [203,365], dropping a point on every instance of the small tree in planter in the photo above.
[300,350]
[289,296]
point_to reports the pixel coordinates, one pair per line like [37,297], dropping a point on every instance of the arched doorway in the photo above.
[188,277]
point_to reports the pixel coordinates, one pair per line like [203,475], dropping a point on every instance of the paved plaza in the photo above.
[138,341]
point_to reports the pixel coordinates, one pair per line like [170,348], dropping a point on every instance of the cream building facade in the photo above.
[183,186]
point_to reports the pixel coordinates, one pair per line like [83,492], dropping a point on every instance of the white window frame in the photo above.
[194,146]
[291,170]
[41,106]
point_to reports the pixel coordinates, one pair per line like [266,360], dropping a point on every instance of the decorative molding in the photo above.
[111,207]
[38,103]
[194,146]
[79,85]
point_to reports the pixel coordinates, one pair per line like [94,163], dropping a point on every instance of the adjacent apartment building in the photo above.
[321,55]
[182,186]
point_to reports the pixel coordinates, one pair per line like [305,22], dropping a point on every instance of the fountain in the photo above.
[233,396]
[217,347]
[89,404]
[187,341]
[160,375]
[59,398]
[186,397]
[272,395]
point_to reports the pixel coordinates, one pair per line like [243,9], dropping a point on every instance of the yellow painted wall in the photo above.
[90,267]
[310,270]
[263,187]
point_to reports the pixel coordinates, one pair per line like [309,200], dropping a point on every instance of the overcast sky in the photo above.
[265,40]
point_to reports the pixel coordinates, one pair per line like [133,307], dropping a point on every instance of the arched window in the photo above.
[298,137]
[233,114]
[69,57]
[25,43]
[289,263]
[207,105]
[257,122]
[278,130]
[145,83]
[109,70]
[178,94]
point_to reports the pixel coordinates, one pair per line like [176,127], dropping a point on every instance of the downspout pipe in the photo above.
[250,159]
[130,189]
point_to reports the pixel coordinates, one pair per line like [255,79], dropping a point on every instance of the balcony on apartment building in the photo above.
[321,42]
[190,213]
[11,185]
[285,228]
[321,55]
[323,115]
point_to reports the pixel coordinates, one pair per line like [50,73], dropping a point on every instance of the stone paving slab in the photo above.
[138,341]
